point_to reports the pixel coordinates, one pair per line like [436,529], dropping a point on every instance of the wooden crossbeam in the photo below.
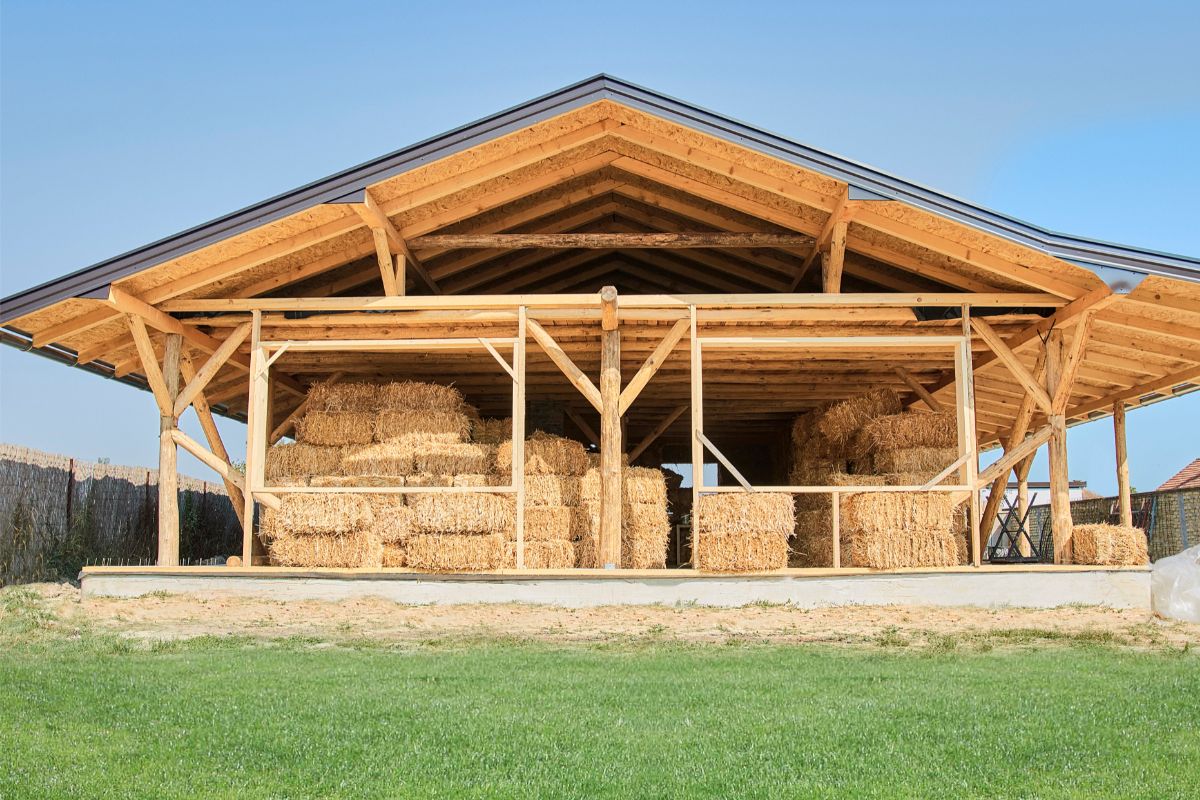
[212,435]
[149,359]
[1005,354]
[372,214]
[652,364]
[209,458]
[840,216]
[584,428]
[712,448]
[559,356]
[1013,455]
[658,431]
[833,261]
[941,476]
[917,388]
[387,263]
[594,241]
[213,365]
[1074,359]
[1020,426]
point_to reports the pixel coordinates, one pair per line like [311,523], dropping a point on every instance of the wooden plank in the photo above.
[256,436]
[583,426]
[652,364]
[387,266]
[208,371]
[917,388]
[611,446]
[518,432]
[210,459]
[149,362]
[168,458]
[725,462]
[1014,455]
[833,261]
[945,473]
[562,241]
[835,525]
[213,436]
[499,358]
[658,430]
[580,381]
[964,400]
[1060,491]
[1123,498]
[996,344]
[696,427]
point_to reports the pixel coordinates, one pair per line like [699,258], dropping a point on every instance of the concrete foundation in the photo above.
[1114,588]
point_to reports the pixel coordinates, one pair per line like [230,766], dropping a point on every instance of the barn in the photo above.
[641,283]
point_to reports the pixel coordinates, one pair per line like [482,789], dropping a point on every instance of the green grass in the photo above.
[87,715]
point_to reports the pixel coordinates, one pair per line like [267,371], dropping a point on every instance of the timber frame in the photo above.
[636,240]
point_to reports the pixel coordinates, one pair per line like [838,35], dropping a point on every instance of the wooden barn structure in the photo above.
[681,283]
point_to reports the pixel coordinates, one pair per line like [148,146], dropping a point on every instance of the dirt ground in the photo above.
[162,617]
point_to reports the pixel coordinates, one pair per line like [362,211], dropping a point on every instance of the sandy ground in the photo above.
[156,617]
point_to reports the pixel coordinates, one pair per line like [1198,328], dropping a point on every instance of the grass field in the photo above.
[92,715]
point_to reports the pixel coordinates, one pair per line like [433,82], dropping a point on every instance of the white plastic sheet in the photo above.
[1175,585]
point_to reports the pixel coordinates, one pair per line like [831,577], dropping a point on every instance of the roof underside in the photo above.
[606,157]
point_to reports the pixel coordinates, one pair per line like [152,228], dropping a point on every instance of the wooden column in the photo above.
[696,428]
[518,433]
[1060,489]
[964,397]
[1122,464]
[168,458]
[611,447]
[1022,473]
[256,435]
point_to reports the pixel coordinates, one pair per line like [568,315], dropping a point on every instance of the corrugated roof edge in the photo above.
[1085,252]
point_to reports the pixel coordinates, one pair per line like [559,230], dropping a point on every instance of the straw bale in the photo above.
[843,419]
[418,396]
[299,459]
[893,529]
[359,549]
[542,554]
[429,479]
[552,490]
[358,480]
[492,430]
[815,471]
[454,553]
[472,479]
[747,512]
[913,429]
[303,514]
[392,519]
[754,551]
[638,485]
[927,460]
[383,458]
[336,428]
[545,454]
[349,396]
[543,523]
[645,531]
[461,513]
[1109,545]
[416,426]
[451,458]
[395,555]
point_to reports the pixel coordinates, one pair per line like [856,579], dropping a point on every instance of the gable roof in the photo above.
[1121,266]
[1186,478]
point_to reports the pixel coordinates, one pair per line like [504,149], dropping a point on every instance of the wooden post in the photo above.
[1122,464]
[168,457]
[256,435]
[835,518]
[1060,489]
[518,432]
[1022,472]
[696,428]
[611,448]
[964,396]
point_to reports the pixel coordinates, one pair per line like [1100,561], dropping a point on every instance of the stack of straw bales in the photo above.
[554,469]
[645,519]
[867,441]
[1108,545]
[743,532]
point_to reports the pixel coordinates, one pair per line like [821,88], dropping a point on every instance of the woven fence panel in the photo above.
[1171,519]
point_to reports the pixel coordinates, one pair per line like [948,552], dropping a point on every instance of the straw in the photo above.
[545,454]
[446,426]
[335,428]
[1108,545]
[454,553]
[301,460]
[355,550]
[461,513]
[320,514]
[843,419]
[745,512]
[542,554]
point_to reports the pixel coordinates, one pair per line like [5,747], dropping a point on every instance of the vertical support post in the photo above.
[1122,464]
[611,448]
[168,458]
[964,396]
[1022,471]
[1060,489]
[697,427]
[256,435]
[835,517]
[518,433]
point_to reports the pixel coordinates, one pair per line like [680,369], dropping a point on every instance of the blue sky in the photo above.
[124,122]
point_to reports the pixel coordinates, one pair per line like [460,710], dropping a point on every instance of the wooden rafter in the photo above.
[1010,359]
[149,363]
[208,371]
[560,241]
[375,218]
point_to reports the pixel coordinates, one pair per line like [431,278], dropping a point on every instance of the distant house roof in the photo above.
[1186,478]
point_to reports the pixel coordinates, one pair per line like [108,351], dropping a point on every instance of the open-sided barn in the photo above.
[659,282]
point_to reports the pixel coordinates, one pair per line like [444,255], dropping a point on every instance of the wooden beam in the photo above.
[212,435]
[1123,498]
[256,435]
[168,459]
[372,214]
[712,448]
[1060,490]
[580,381]
[611,448]
[696,426]
[518,431]
[196,384]
[209,458]
[1074,360]
[917,388]
[841,214]
[833,261]
[150,368]
[996,344]
[652,364]
[603,241]
[583,426]
[1015,454]
[658,430]
[387,266]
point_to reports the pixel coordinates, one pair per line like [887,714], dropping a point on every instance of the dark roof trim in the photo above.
[337,187]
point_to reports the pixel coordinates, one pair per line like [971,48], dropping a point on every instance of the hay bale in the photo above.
[384,458]
[358,480]
[747,512]
[815,471]
[336,428]
[492,430]
[645,531]
[350,396]
[545,523]
[301,460]
[542,554]
[756,551]
[552,490]
[475,513]
[899,529]
[419,396]
[392,519]
[545,454]
[359,549]
[450,458]
[454,553]
[925,460]
[638,485]
[842,420]
[422,479]
[1108,545]
[319,514]
[413,427]
[912,429]
[395,555]
[472,479]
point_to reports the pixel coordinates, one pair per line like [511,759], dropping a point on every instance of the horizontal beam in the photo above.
[824,489]
[385,345]
[752,342]
[600,241]
[203,454]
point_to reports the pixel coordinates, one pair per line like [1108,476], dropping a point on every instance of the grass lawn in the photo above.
[94,716]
